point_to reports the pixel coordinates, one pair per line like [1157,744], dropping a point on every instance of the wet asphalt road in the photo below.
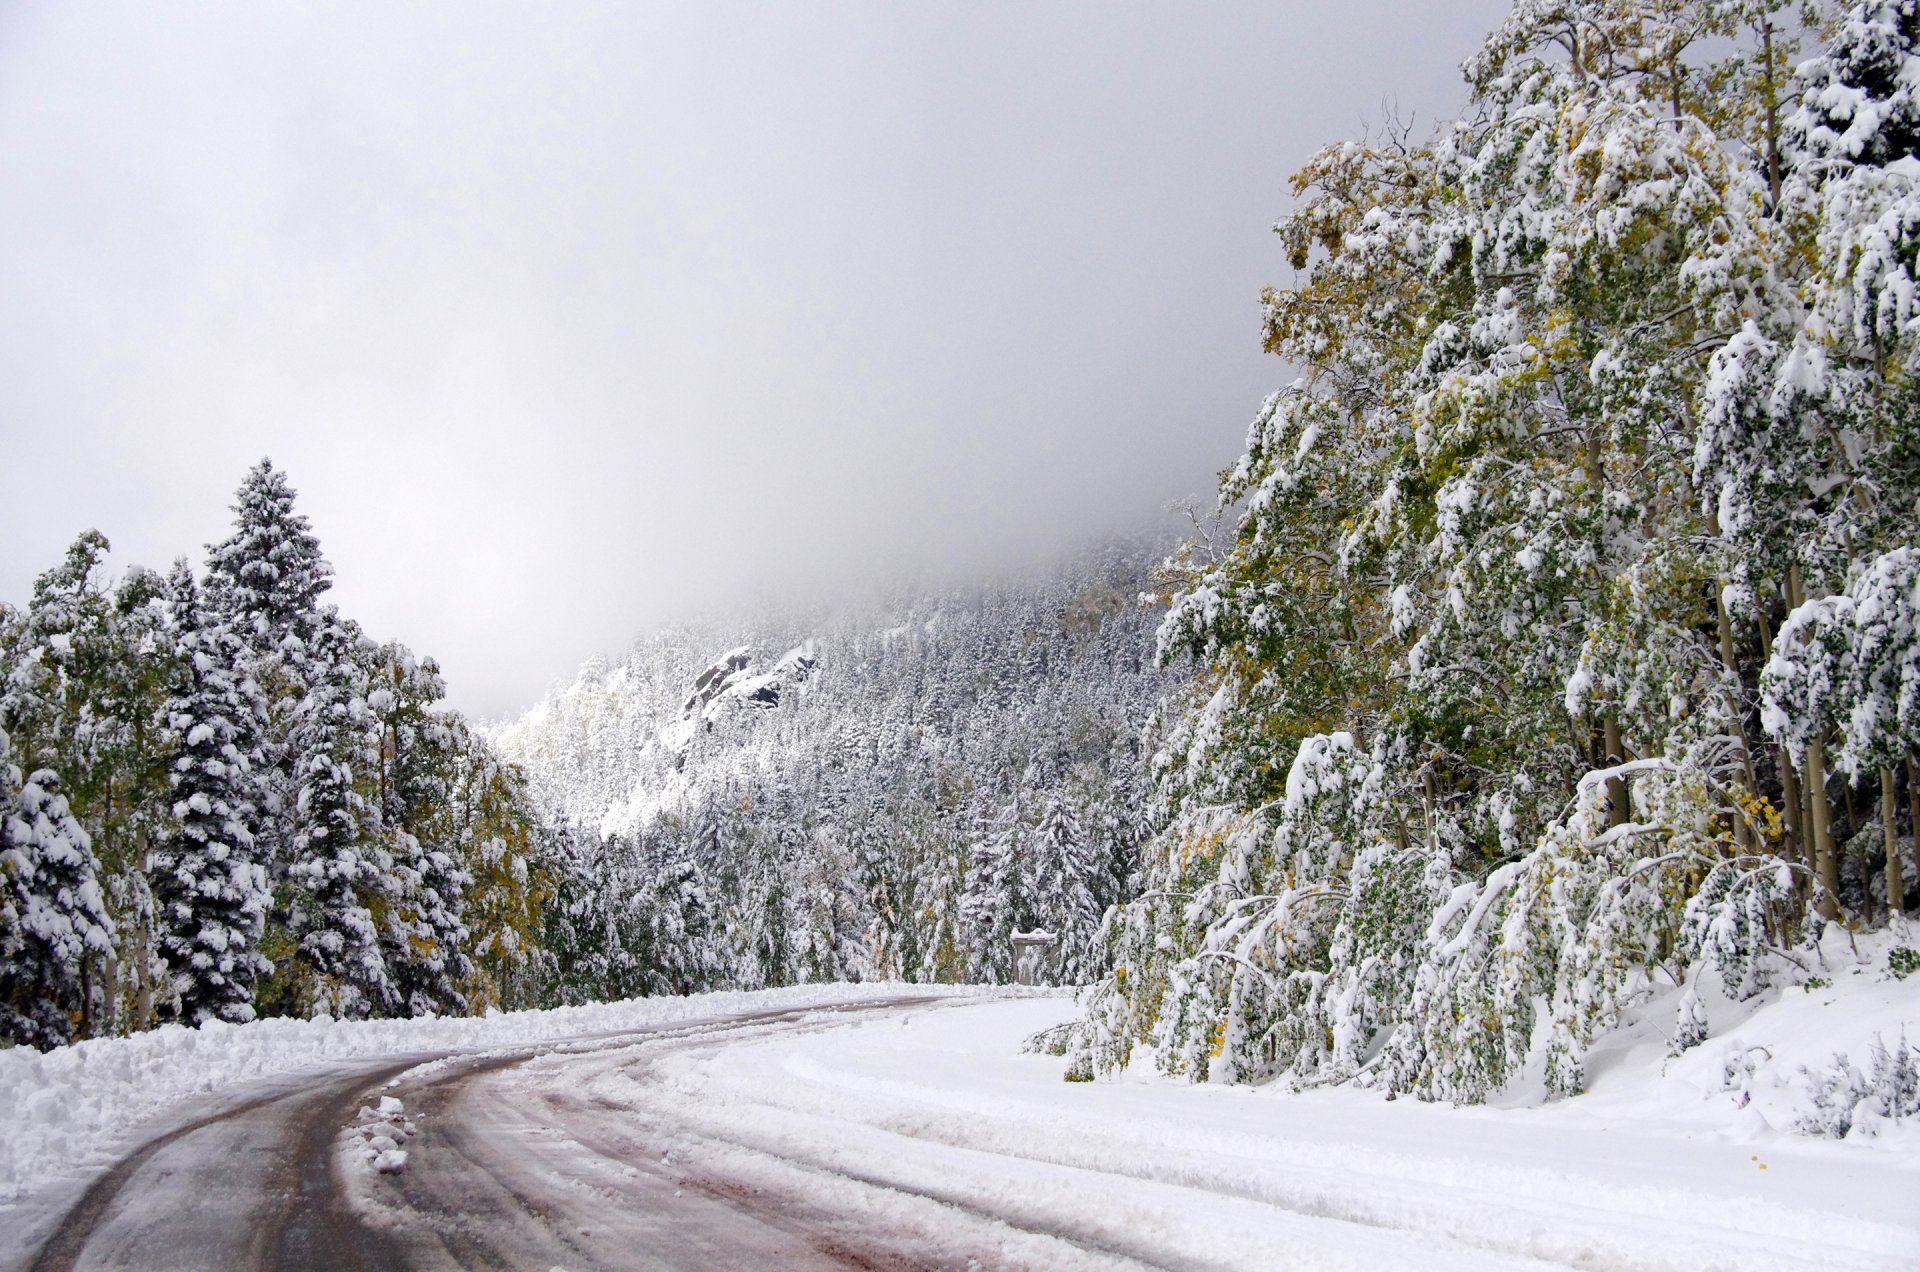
[502,1174]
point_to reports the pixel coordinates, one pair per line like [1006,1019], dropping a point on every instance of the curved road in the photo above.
[908,1133]
[502,1173]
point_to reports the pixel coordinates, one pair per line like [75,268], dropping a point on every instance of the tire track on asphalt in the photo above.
[300,1217]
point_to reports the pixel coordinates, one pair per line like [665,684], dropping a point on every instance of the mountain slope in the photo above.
[888,791]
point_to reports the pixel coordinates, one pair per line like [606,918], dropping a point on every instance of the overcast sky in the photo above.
[566,320]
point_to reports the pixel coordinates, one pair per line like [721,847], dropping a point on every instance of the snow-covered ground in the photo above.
[1651,1170]
[929,1121]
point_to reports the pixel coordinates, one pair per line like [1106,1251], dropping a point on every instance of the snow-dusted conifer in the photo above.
[1063,875]
[1860,103]
[211,892]
[52,919]
[265,580]
[998,901]
[340,871]
[267,576]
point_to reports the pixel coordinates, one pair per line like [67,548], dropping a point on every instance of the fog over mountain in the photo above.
[565,325]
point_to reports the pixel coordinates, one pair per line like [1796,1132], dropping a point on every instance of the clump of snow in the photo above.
[375,1138]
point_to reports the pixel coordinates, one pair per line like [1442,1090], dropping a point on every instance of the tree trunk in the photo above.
[142,989]
[1913,811]
[1890,830]
[1616,786]
[1771,97]
[1427,802]
[1819,809]
[1742,833]
[110,994]
[1792,817]
[1826,867]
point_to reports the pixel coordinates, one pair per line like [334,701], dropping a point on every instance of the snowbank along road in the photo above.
[910,1132]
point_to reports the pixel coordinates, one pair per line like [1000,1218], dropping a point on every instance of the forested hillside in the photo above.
[222,799]
[1568,647]
[889,790]
[219,799]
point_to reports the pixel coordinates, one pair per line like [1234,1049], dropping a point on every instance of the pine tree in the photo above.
[267,577]
[1062,879]
[51,914]
[1859,103]
[264,581]
[998,901]
[210,890]
[340,871]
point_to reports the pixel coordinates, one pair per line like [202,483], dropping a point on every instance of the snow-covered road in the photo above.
[902,1133]
[923,1131]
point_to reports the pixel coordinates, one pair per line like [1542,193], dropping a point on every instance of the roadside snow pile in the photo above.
[78,1107]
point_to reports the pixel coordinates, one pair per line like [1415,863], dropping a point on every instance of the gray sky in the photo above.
[566,320]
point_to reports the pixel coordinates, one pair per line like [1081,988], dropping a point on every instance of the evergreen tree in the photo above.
[264,581]
[210,890]
[51,914]
[1063,875]
[1859,104]
[997,902]
[267,577]
[341,874]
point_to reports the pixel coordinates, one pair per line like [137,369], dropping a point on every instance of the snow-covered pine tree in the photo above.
[267,577]
[684,931]
[1061,889]
[998,900]
[265,580]
[340,873]
[211,892]
[1859,103]
[51,915]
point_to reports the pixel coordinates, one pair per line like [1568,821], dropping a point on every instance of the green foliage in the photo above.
[1594,419]
[270,813]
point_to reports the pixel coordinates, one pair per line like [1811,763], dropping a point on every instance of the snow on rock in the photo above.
[720,673]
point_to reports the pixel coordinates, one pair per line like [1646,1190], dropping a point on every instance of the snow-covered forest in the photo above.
[1566,648]
[889,790]
[1557,652]
[223,800]
[220,799]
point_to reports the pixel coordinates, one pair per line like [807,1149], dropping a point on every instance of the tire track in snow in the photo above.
[258,1185]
